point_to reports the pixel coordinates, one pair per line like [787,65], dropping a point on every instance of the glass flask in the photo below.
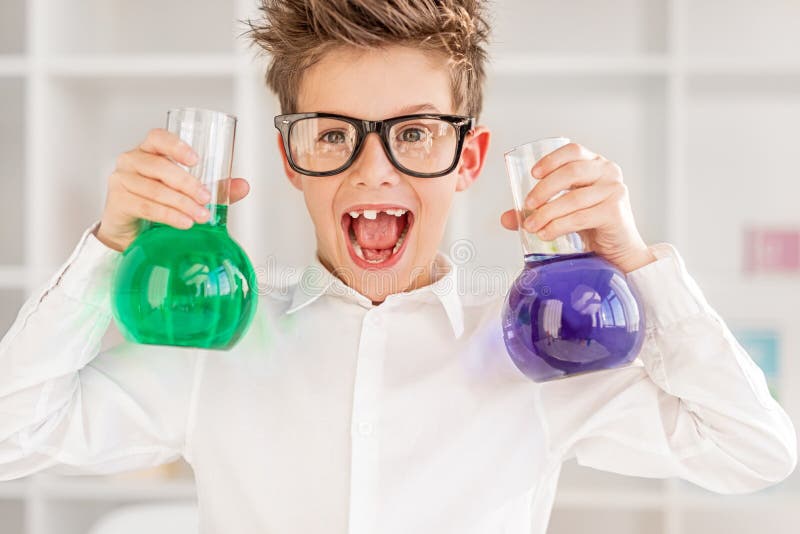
[193,287]
[569,311]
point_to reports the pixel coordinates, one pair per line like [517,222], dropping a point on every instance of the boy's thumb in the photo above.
[239,189]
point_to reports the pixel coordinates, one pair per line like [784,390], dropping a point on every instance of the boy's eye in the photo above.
[334,137]
[413,135]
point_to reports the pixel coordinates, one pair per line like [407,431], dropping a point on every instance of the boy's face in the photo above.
[378,84]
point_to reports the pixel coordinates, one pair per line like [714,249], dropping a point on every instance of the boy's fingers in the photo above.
[162,169]
[560,156]
[577,173]
[160,193]
[160,141]
[509,219]
[572,201]
[145,208]
[239,189]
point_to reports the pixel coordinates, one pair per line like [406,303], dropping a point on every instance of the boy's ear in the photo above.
[293,177]
[473,156]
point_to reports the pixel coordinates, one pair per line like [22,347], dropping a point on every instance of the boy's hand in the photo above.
[147,185]
[597,207]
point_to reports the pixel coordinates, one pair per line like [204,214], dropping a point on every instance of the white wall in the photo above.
[697,100]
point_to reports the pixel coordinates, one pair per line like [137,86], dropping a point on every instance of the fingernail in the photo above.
[201,213]
[537,172]
[204,195]
[191,155]
[527,222]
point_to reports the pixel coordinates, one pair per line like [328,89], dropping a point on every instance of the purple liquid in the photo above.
[569,314]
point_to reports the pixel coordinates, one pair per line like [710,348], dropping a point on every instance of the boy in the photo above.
[373,397]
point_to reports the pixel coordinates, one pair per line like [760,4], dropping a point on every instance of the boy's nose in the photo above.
[372,167]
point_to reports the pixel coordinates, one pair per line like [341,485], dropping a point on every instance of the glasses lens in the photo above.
[424,145]
[321,144]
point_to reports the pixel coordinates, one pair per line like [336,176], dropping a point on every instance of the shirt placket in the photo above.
[364,428]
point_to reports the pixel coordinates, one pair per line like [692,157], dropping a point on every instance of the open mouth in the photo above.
[376,235]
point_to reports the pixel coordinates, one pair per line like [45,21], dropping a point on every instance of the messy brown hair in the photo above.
[296,33]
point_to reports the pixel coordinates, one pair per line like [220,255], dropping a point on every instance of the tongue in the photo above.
[377,237]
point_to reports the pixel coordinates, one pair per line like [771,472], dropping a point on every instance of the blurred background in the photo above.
[697,100]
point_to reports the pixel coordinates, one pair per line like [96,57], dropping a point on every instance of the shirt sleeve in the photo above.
[693,405]
[67,408]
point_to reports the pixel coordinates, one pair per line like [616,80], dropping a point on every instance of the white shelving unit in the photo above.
[696,100]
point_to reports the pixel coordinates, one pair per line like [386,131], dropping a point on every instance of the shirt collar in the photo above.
[316,280]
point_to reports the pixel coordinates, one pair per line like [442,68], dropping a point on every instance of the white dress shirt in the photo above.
[338,416]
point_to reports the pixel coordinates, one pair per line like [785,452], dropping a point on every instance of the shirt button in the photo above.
[374,320]
[365,428]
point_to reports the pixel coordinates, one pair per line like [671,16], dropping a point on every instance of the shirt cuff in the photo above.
[666,290]
[86,275]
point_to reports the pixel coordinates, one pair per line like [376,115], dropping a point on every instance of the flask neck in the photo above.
[218,219]
[535,260]
[532,246]
[219,215]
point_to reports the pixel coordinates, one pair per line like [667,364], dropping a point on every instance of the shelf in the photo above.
[147,26]
[109,116]
[567,521]
[14,489]
[13,277]
[655,499]
[742,29]
[13,66]
[522,64]
[785,492]
[502,65]
[12,170]
[11,300]
[12,27]
[756,283]
[741,130]
[747,519]
[639,26]
[777,500]
[145,65]
[616,500]
[621,118]
[746,67]
[526,64]
[80,488]
[754,302]
[12,517]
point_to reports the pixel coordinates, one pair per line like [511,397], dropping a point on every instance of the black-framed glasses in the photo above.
[423,145]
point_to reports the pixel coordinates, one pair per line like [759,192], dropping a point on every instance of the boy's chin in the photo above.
[375,282]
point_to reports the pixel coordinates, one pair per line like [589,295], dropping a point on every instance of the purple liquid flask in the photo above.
[569,311]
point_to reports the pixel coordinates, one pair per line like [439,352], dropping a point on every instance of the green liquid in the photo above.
[189,288]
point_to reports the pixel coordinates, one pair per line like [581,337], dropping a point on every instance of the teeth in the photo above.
[400,240]
[358,250]
[360,254]
[399,212]
[373,214]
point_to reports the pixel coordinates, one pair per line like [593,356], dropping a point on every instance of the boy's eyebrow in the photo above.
[416,108]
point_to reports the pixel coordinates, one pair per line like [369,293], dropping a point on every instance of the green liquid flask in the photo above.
[194,287]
